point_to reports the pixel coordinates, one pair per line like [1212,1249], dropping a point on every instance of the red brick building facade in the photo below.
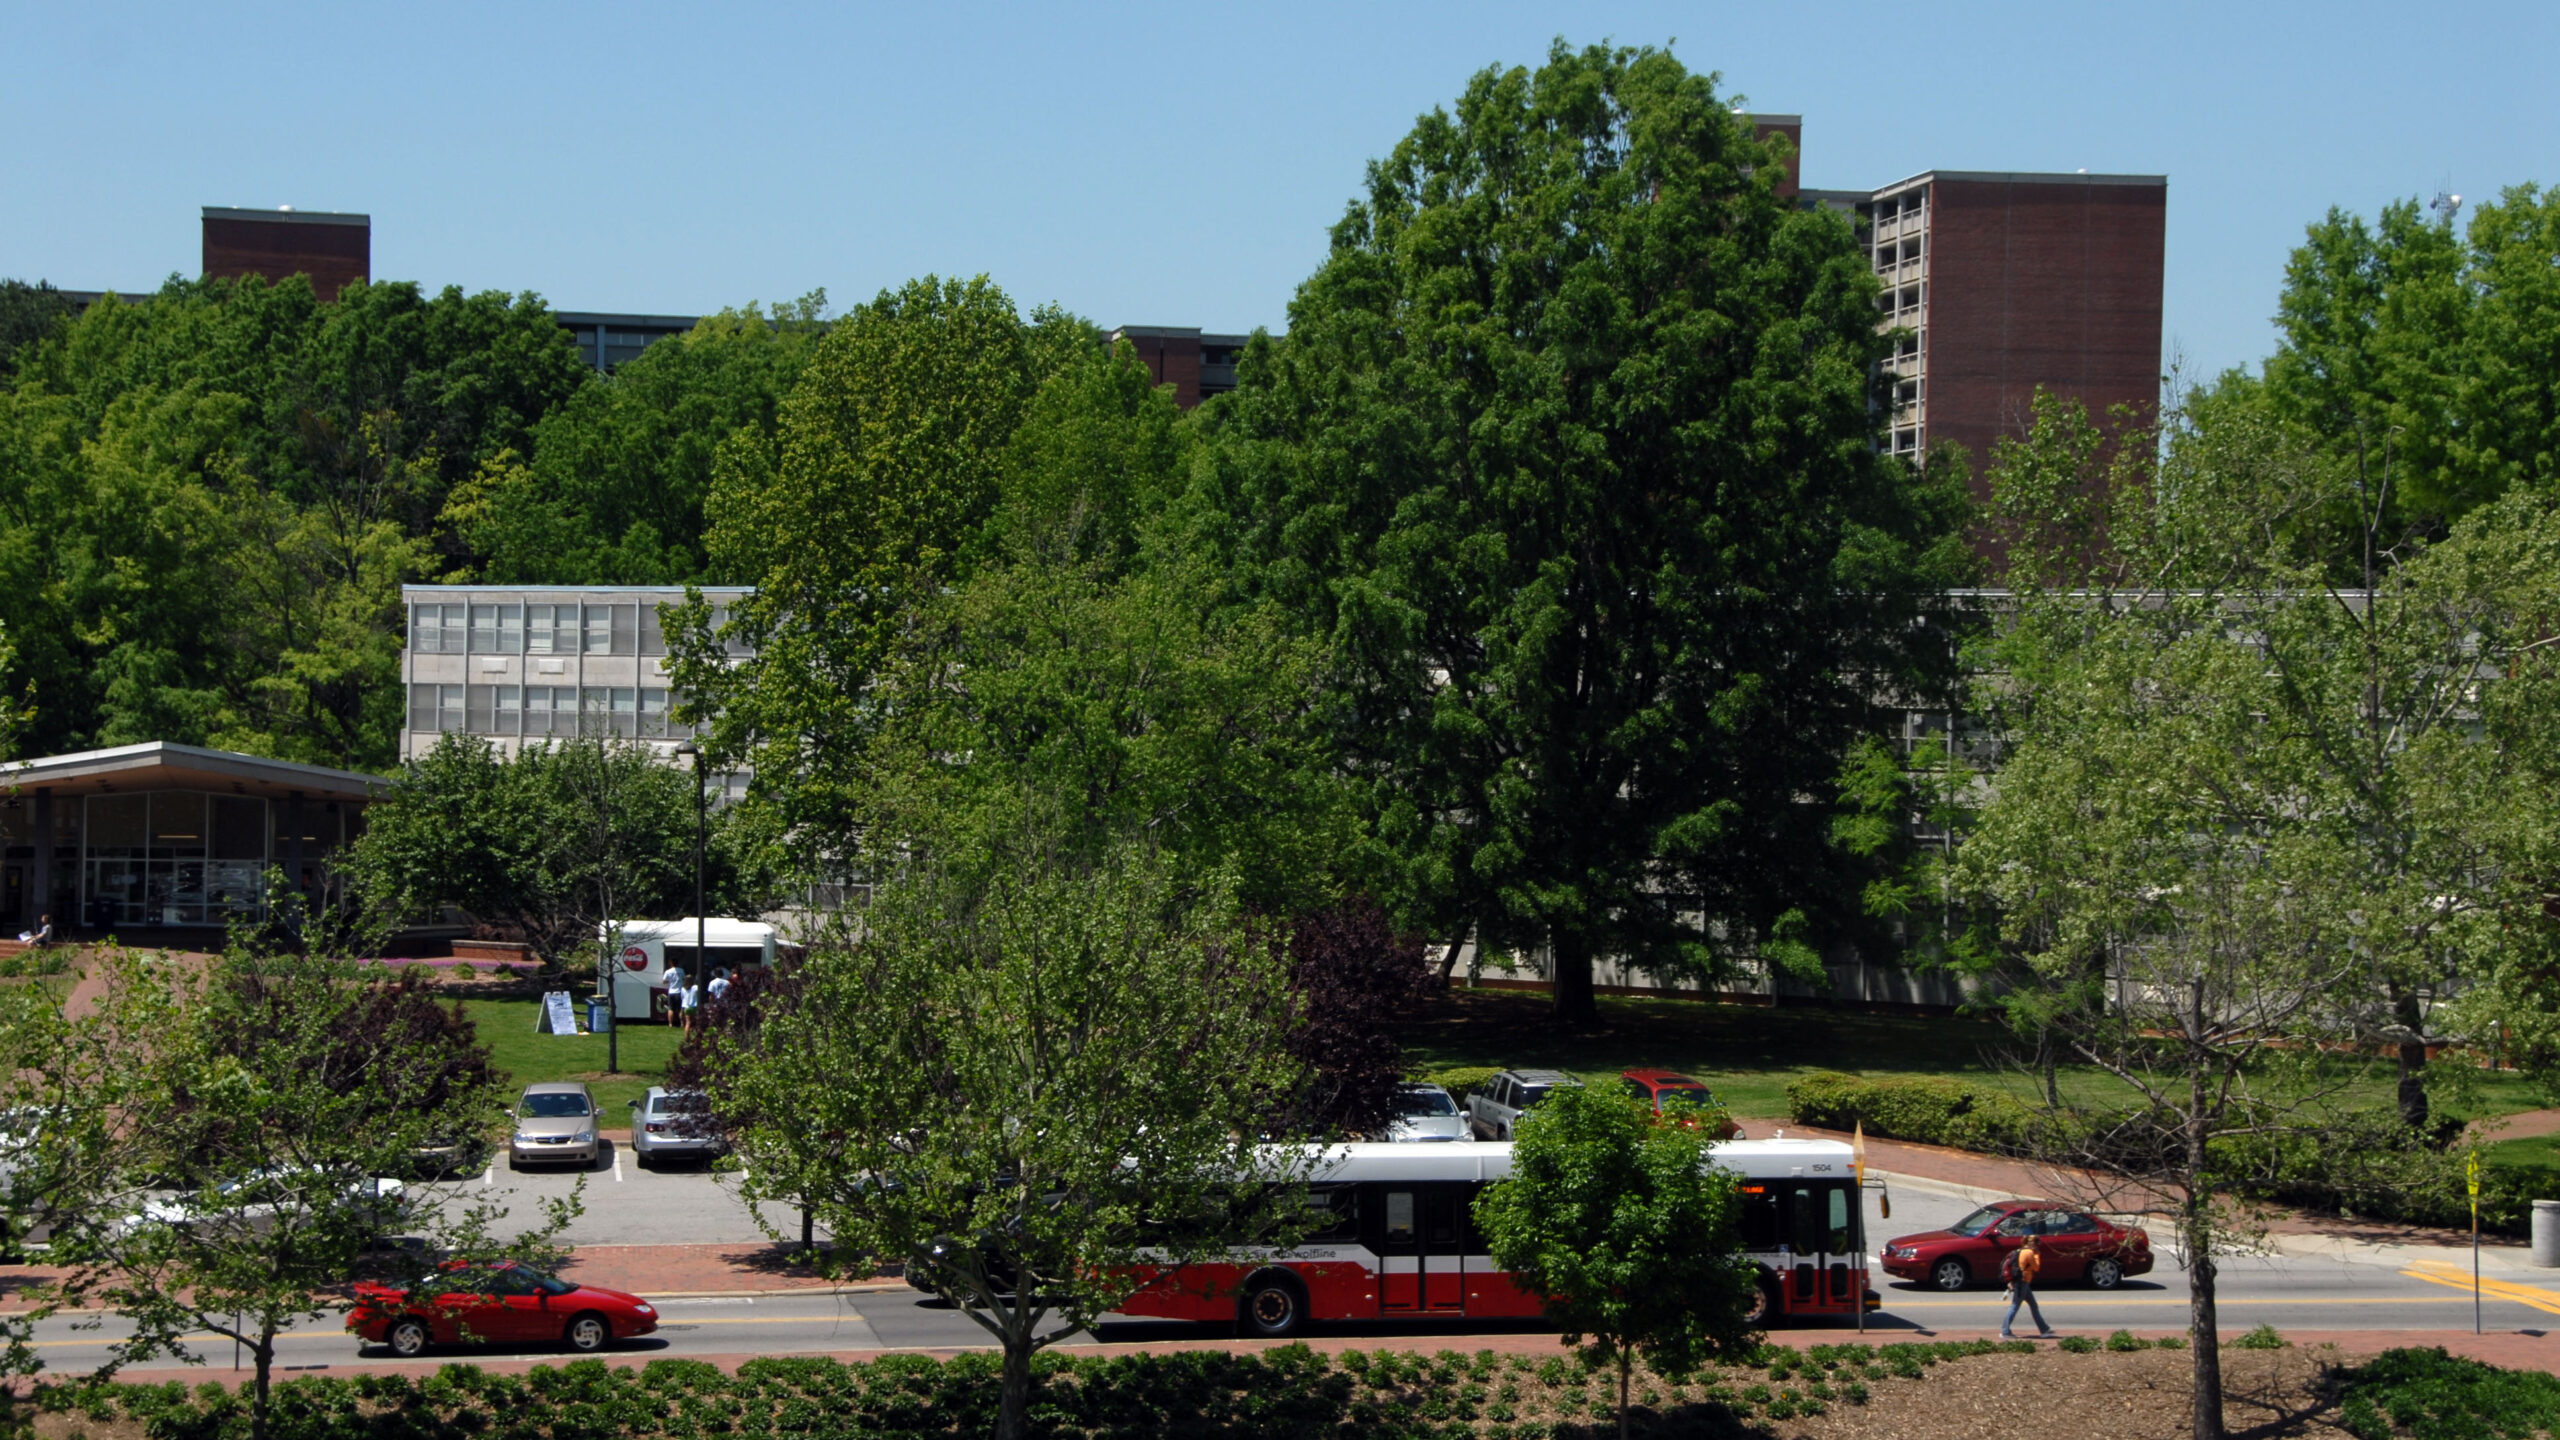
[334,250]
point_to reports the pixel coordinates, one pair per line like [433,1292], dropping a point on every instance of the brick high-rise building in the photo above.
[334,250]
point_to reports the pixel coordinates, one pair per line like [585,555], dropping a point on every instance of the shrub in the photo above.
[2431,1393]
[2262,1338]
[2079,1344]
[2127,1340]
[1931,1111]
[1461,1079]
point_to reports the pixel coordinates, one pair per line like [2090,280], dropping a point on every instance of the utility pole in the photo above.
[604,901]
[701,829]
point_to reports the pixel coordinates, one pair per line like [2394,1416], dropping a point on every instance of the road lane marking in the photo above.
[489,1176]
[617,1164]
[2181,1302]
[2436,1272]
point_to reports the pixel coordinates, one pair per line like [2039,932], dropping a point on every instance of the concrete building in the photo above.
[524,665]
[161,837]
[335,250]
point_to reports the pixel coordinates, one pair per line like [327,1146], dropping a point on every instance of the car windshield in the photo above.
[554,1106]
[1979,1221]
[1434,1101]
[1693,1096]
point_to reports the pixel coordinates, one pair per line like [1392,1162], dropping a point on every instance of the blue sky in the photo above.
[1164,164]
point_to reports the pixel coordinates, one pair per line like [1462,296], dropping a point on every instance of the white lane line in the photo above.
[617,1164]
[489,1176]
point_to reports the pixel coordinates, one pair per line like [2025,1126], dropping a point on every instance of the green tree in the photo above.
[255,1188]
[618,475]
[1031,1082]
[2245,813]
[1570,457]
[1627,1232]
[876,497]
[534,843]
[28,313]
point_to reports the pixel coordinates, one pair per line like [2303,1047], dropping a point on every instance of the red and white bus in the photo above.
[1400,1241]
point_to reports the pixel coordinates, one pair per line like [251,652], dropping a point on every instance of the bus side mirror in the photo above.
[1884,1204]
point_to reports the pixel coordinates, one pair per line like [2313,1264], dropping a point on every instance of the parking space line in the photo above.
[489,1176]
[617,1164]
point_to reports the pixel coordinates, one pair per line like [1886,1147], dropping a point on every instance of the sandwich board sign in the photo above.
[557,1017]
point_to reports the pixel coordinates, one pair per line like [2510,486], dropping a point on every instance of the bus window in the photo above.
[1759,1217]
[1804,1220]
[1838,1218]
[1440,1219]
[1333,1213]
[1400,1216]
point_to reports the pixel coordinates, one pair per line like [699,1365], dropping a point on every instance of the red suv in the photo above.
[1676,1098]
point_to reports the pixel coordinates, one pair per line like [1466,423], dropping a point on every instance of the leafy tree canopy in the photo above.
[1569,457]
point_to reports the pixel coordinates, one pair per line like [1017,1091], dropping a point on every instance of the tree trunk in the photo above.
[1013,1408]
[2047,1066]
[808,1229]
[1449,957]
[1626,1363]
[264,1352]
[2195,1231]
[1576,1003]
[2413,1058]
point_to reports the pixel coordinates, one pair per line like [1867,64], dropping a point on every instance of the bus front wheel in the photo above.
[1762,1307]
[1273,1307]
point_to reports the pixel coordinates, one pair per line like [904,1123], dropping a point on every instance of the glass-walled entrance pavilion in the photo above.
[167,836]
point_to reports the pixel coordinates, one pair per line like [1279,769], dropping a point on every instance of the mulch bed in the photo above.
[2053,1395]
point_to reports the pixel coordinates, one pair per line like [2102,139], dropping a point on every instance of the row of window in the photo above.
[616,710]
[512,628]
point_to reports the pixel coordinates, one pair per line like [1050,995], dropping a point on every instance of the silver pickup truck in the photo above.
[1495,1106]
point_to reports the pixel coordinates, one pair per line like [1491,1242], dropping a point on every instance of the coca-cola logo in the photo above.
[634,958]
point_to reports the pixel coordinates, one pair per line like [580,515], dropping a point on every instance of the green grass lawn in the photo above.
[524,1057]
[1749,1053]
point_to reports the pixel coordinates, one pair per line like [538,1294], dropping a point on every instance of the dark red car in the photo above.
[498,1304]
[1668,1093]
[2077,1246]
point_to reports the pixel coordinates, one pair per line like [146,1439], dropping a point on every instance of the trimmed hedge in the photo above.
[1930,1111]
[1461,1079]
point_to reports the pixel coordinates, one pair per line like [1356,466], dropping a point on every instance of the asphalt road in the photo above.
[683,1204]
[671,1207]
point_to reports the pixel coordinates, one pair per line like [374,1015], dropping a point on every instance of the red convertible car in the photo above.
[498,1304]
[2077,1246]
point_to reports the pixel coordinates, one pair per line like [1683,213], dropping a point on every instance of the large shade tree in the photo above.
[1570,457]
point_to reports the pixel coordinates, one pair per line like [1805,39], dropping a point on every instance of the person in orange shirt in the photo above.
[2020,1271]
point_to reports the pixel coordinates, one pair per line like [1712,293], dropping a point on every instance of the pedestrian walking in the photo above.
[692,998]
[2019,1271]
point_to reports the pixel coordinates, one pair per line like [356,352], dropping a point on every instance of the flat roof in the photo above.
[590,318]
[164,765]
[407,590]
[287,216]
[2022,177]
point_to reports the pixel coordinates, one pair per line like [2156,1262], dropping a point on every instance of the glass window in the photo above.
[537,635]
[239,828]
[1759,1218]
[599,629]
[653,635]
[511,629]
[625,635]
[653,713]
[116,824]
[422,707]
[177,824]
[448,707]
[1400,1215]
[1334,1212]
[484,629]
[1836,1222]
[426,629]
[625,711]
[479,707]
[595,708]
[537,709]
[510,708]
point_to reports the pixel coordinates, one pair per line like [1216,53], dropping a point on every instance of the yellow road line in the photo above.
[2455,1278]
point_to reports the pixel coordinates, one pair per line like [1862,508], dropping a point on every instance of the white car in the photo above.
[1426,1113]
[253,1203]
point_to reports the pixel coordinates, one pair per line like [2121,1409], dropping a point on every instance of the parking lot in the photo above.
[682,1204]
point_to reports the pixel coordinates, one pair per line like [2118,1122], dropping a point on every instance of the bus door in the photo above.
[1822,1236]
[1420,1248]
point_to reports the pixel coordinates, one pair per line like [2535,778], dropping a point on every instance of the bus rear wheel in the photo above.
[1763,1305]
[1273,1307]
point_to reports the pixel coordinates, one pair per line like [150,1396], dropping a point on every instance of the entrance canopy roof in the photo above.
[160,765]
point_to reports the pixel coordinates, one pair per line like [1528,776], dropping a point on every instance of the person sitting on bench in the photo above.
[41,935]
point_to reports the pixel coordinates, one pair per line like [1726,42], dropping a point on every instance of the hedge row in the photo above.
[1286,1392]
[1930,1111]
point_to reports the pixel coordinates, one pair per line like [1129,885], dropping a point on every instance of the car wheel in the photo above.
[1273,1307]
[1763,1304]
[408,1338]
[588,1333]
[1951,1274]
[2106,1272]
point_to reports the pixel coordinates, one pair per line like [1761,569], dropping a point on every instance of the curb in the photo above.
[1948,1188]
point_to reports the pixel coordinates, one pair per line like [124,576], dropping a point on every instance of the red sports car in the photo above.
[500,1304]
[1668,1093]
[2077,1246]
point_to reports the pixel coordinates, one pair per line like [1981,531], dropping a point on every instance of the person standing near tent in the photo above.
[674,984]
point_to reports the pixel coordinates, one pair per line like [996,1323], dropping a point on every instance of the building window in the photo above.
[626,714]
[595,709]
[653,713]
[435,629]
[599,629]
[625,631]
[511,629]
[422,708]
[552,629]
[479,708]
[653,635]
[538,716]
[484,629]
[449,708]
[510,708]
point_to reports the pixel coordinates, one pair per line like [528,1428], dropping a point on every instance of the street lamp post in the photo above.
[701,828]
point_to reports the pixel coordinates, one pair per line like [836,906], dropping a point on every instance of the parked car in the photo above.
[2077,1246]
[1495,1106]
[555,1121]
[255,1204]
[671,1124]
[502,1303]
[1426,1113]
[1676,1099]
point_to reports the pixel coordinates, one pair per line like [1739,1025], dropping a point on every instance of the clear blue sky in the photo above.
[1168,164]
